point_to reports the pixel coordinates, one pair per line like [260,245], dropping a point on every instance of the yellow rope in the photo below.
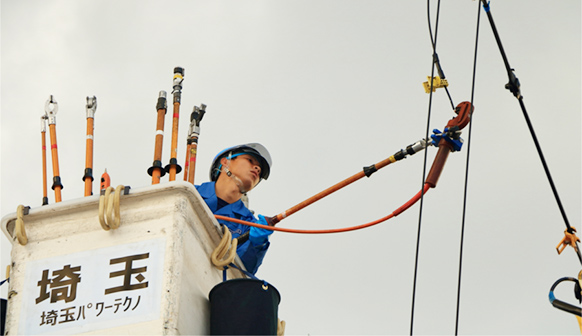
[109,213]
[222,248]
[20,231]
[102,201]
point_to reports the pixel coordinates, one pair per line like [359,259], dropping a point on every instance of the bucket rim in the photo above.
[241,280]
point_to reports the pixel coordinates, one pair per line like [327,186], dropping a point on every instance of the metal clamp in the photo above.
[452,136]
[437,82]
[196,118]
[570,238]
[91,106]
[43,119]
[177,83]
[51,108]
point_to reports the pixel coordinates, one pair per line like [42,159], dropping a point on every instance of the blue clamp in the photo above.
[437,136]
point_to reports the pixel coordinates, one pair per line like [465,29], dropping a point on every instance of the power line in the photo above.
[461,244]
[434,44]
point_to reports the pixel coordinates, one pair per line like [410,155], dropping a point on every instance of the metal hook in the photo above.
[91,106]
[43,119]
[92,103]
[47,106]
[567,307]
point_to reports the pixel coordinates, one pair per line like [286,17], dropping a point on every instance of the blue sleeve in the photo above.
[251,255]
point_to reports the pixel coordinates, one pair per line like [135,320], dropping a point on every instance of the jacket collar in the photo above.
[208,192]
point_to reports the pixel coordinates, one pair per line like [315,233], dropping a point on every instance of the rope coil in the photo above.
[19,229]
[226,244]
[109,213]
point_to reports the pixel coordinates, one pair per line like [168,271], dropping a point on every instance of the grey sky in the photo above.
[328,87]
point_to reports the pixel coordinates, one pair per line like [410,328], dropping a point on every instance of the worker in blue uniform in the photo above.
[234,172]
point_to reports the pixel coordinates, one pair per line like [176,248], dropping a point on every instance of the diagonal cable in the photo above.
[434,43]
[514,86]
[467,175]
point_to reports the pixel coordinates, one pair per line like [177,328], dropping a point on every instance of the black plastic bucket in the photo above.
[244,307]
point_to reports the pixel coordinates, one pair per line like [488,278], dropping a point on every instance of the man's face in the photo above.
[247,168]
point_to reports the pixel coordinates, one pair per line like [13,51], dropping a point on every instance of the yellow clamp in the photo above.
[569,239]
[437,82]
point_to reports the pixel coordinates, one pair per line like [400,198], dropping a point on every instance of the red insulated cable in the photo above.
[346,229]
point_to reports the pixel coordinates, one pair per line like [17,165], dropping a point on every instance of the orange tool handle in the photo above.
[156,171]
[44,169]
[57,186]
[192,158]
[276,219]
[174,168]
[187,161]
[194,132]
[88,178]
[174,148]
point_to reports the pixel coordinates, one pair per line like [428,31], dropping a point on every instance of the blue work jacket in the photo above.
[251,255]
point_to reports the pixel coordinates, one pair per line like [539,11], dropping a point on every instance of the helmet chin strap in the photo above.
[235,178]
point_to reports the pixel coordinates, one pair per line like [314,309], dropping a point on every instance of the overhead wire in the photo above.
[514,86]
[434,44]
[465,191]
[435,57]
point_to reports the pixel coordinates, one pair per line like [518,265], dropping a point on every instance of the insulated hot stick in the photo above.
[51,107]
[173,167]
[367,171]
[195,118]
[241,239]
[91,108]
[43,119]
[464,111]
[156,170]
[187,160]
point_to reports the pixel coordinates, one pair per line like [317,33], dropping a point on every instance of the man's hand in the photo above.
[260,236]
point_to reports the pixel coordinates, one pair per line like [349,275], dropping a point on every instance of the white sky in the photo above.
[328,87]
